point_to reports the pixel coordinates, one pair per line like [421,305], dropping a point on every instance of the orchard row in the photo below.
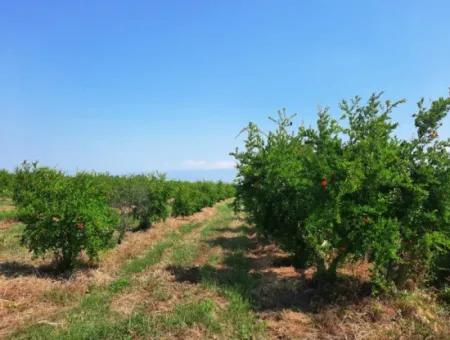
[66,215]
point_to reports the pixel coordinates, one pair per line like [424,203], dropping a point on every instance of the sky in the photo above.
[137,86]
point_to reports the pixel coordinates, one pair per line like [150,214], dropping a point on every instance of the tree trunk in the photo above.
[332,269]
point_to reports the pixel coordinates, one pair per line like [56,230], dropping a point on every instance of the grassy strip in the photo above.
[237,320]
[10,240]
[235,283]
[184,254]
[151,257]
[8,215]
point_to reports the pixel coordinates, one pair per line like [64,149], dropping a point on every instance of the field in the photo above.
[203,276]
[225,170]
[339,231]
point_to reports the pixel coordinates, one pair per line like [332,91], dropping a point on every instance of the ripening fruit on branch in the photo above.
[391,197]
[46,199]
[324,183]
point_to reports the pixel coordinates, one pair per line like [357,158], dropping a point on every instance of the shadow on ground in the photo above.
[267,279]
[12,269]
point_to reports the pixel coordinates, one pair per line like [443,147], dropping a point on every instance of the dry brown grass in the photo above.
[7,207]
[25,287]
[156,289]
[294,309]
[28,299]
[136,243]
[7,223]
[150,291]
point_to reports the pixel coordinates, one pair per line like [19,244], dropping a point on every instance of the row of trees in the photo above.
[6,182]
[66,215]
[352,190]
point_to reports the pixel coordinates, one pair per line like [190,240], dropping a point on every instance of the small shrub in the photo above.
[191,197]
[64,215]
[185,201]
[145,197]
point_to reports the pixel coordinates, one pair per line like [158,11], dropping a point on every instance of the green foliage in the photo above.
[186,200]
[440,265]
[444,295]
[191,197]
[144,197]
[352,190]
[64,215]
[6,182]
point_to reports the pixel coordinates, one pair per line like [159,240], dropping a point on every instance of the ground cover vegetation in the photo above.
[350,189]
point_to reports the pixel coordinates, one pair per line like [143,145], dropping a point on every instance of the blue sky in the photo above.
[132,86]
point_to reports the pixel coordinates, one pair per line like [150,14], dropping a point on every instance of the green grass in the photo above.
[150,258]
[213,259]
[184,254]
[119,285]
[189,227]
[100,323]
[10,235]
[235,282]
[198,312]
[7,210]
[93,318]
[237,320]
[10,240]
[8,215]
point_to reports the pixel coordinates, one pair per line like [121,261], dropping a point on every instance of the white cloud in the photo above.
[206,165]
